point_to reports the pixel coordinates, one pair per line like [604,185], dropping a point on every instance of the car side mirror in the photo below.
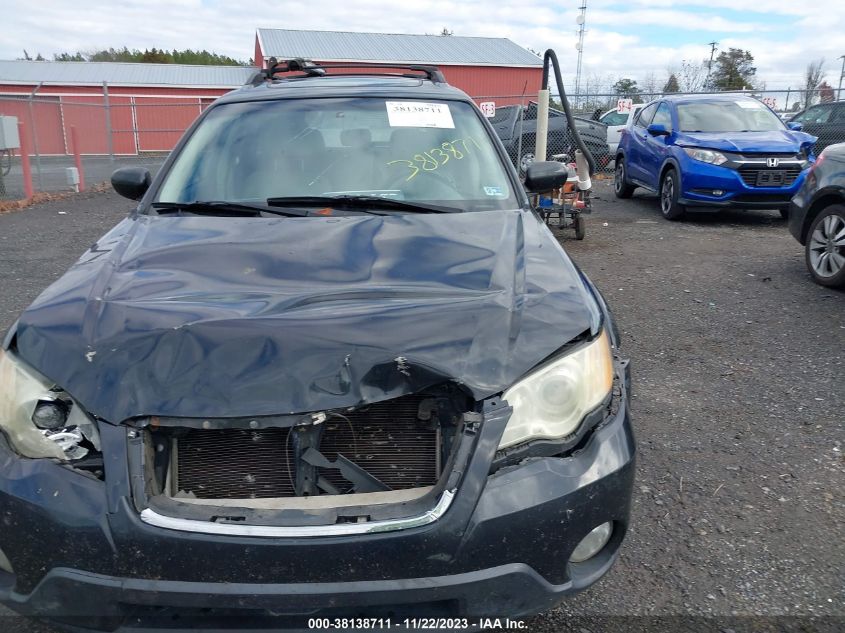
[657,129]
[131,182]
[544,176]
[795,126]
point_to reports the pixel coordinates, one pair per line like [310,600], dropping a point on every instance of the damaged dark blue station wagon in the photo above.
[332,364]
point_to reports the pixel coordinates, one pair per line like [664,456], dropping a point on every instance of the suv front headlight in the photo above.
[552,401]
[39,419]
[706,155]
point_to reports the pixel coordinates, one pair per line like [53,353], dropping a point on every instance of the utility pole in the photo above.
[842,72]
[581,20]
[713,46]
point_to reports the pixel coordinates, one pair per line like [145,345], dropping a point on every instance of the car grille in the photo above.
[767,177]
[385,439]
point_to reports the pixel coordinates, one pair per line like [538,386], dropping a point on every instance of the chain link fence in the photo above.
[599,120]
[113,132]
[118,130]
[515,121]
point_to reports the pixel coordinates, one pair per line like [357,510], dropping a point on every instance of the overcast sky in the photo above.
[627,38]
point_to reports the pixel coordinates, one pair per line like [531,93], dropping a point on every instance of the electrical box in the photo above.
[72,175]
[9,138]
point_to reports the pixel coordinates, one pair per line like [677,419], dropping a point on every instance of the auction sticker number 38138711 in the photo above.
[419,114]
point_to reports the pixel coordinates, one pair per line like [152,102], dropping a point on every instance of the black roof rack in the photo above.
[310,69]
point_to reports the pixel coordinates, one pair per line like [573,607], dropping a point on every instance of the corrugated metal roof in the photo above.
[338,46]
[122,74]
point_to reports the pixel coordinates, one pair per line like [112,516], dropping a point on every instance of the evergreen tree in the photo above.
[150,56]
[627,88]
[671,85]
[734,70]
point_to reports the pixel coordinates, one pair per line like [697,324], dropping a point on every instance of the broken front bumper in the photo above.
[82,555]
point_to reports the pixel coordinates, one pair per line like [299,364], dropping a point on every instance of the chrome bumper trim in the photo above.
[151,517]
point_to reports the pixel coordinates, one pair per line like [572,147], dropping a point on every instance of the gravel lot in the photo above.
[738,364]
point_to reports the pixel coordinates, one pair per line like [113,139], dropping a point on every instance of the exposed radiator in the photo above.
[385,439]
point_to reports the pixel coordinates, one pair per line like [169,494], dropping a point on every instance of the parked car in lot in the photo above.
[712,151]
[826,121]
[517,127]
[817,217]
[333,363]
[616,121]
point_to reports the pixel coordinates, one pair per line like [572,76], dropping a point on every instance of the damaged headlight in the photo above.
[706,155]
[39,419]
[551,402]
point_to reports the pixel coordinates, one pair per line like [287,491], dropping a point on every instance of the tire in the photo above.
[669,191]
[621,187]
[824,251]
[580,227]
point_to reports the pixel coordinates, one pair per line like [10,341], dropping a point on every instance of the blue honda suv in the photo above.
[712,151]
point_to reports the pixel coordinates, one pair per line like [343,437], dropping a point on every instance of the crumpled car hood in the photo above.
[776,141]
[230,317]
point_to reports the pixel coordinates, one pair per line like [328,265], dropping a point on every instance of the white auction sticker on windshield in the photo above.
[419,114]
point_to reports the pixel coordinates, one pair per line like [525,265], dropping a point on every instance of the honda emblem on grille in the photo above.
[772,162]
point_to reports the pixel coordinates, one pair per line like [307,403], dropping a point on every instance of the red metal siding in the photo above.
[123,135]
[154,91]
[485,81]
[46,115]
[258,60]
[153,118]
[161,122]
[142,118]
[88,115]
[490,81]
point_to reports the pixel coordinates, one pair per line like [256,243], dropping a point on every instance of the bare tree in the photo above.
[649,86]
[692,76]
[813,76]
[592,85]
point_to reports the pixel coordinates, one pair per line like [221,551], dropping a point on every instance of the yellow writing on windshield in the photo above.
[435,157]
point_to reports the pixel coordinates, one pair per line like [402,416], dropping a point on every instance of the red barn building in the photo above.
[125,109]
[480,66]
[117,108]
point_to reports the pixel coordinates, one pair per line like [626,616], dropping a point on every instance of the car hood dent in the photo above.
[222,317]
[777,141]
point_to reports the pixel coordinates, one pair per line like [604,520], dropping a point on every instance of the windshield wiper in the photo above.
[222,206]
[360,202]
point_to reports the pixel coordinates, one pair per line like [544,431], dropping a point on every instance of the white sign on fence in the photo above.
[488,108]
[624,105]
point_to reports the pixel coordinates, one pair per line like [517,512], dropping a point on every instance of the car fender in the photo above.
[823,198]
[671,162]
[620,149]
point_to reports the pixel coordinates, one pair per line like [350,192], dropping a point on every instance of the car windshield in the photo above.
[615,118]
[419,151]
[740,115]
